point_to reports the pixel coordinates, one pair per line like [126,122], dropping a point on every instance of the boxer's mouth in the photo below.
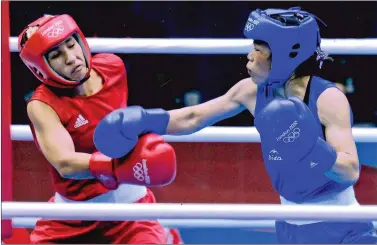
[77,68]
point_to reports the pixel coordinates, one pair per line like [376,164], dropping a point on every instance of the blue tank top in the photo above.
[294,186]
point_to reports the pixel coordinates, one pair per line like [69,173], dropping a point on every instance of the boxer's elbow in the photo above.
[192,122]
[70,172]
[352,177]
[66,172]
[73,167]
[354,170]
[184,121]
[65,169]
[196,121]
[346,170]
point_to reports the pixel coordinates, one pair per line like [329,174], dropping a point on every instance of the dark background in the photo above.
[209,75]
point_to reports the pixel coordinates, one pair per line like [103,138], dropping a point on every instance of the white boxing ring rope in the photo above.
[215,212]
[212,134]
[23,214]
[182,223]
[210,46]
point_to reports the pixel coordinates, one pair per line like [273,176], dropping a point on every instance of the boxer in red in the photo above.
[77,91]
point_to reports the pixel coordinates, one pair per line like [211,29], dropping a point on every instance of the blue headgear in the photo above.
[293,36]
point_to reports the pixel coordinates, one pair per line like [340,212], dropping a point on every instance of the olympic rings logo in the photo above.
[292,136]
[249,26]
[138,172]
[56,31]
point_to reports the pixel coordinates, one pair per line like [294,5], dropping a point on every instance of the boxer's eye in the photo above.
[53,55]
[70,42]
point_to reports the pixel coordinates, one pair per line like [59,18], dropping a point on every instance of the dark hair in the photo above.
[310,67]
[263,43]
[25,38]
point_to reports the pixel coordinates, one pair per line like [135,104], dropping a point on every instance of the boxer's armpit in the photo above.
[55,142]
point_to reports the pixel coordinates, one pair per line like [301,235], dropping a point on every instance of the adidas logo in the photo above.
[80,121]
[313,164]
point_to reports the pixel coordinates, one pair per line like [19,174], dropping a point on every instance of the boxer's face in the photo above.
[68,60]
[259,63]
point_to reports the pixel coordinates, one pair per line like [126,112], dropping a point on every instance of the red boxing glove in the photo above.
[151,163]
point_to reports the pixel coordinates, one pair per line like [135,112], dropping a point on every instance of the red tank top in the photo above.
[80,115]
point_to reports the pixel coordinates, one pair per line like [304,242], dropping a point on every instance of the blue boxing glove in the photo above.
[288,128]
[118,132]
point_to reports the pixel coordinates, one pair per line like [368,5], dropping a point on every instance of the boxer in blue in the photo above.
[304,122]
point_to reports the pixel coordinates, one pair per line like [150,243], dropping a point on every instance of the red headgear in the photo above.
[51,32]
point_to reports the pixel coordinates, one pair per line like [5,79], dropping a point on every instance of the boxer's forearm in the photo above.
[183,121]
[345,169]
[191,119]
[75,166]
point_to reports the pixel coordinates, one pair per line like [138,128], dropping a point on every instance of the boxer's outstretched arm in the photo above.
[334,112]
[56,144]
[188,120]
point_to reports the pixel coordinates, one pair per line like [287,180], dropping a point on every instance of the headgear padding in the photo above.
[292,35]
[52,30]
